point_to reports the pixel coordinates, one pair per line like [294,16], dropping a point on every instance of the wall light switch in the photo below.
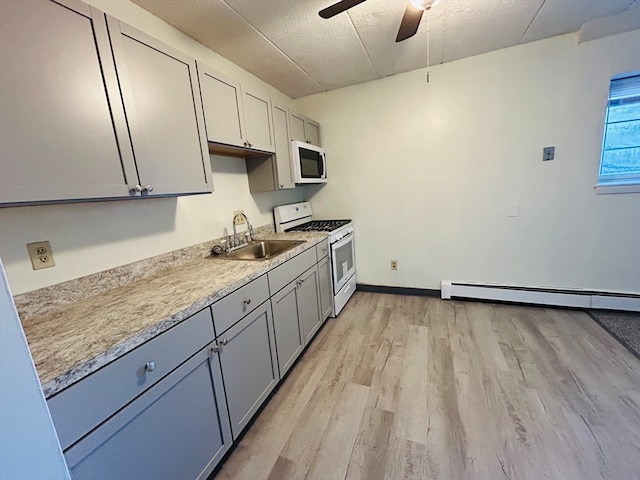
[514,210]
[548,153]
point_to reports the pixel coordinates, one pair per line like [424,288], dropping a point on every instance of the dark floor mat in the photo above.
[624,326]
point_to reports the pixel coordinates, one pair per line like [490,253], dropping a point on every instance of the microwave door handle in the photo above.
[324,160]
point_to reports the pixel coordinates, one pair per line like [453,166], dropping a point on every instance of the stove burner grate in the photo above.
[319,226]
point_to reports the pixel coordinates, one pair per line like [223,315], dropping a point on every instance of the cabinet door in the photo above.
[222,104]
[80,408]
[177,429]
[249,365]
[288,333]
[308,307]
[63,134]
[304,129]
[283,148]
[164,112]
[257,120]
[296,125]
[312,132]
[324,287]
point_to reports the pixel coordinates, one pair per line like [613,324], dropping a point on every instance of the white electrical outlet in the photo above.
[41,255]
[238,219]
[394,264]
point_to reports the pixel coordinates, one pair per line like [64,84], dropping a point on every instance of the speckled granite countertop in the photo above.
[70,342]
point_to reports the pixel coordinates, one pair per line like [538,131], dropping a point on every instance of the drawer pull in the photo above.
[150,366]
[224,341]
[247,301]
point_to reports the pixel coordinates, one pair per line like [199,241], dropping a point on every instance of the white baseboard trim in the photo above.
[541,296]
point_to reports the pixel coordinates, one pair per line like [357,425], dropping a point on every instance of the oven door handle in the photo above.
[343,241]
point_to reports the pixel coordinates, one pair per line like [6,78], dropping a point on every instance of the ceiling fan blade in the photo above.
[339,7]
[410,22]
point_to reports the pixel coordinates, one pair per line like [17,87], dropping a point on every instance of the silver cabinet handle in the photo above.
[147,189]
[224,341]
[246,301]
[150,366]
[135,189]
[215,348]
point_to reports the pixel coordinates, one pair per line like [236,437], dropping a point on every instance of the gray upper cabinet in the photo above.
[164,112]
[233,116]
[283,147]
[65,133]
[269,173]
[257,120]
[222,104]
[304,129]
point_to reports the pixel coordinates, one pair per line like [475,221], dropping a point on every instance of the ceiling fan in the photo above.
[410,20]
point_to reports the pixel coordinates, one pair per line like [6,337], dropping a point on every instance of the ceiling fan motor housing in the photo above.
[424,4]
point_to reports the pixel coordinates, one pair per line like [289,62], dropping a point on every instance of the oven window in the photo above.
[310,164]
[343,262]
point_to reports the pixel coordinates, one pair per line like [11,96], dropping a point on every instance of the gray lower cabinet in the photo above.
[289,337]
[308,307]
[177,429]
[247,353]
[325,282]
[296,311]
[324,288]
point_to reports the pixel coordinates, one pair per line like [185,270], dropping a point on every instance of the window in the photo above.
[620,162]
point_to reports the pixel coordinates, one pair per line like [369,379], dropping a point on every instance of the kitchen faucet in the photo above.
[236,242]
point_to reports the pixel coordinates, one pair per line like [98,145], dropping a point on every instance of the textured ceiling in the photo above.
[286,43]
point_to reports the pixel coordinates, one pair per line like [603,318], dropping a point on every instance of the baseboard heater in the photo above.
[542,296]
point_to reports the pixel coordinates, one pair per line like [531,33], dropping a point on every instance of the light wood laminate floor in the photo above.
[403,387]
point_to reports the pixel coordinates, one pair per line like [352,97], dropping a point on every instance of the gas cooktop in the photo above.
[319,226]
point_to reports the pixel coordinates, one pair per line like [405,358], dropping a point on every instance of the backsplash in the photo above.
[40,301]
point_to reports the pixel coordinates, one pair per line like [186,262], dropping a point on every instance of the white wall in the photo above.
[29,445]
[90,237]
[431,172]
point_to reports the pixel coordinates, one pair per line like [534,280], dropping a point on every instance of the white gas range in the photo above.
[298,217]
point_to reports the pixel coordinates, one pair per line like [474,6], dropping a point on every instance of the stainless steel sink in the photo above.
[262,249]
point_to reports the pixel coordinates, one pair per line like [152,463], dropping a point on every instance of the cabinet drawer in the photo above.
[81,407]
[322,249]
[236,305]
[288,271]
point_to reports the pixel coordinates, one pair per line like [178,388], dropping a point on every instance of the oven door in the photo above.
[343,263]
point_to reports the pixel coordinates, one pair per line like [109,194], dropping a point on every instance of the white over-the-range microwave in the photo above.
[309,162]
